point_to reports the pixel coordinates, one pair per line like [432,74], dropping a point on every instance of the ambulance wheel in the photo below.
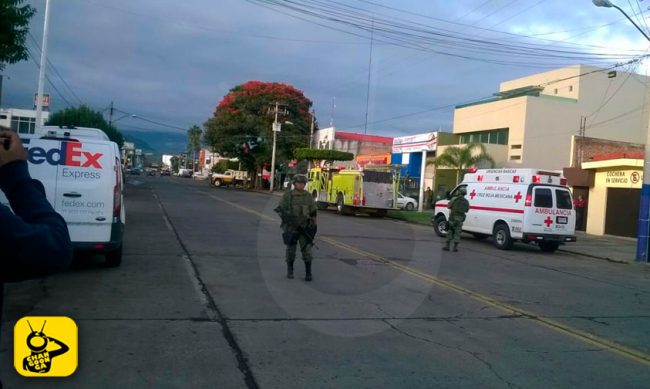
[501,237]
[478,236]
[548,247]
[114,258]
[440,226]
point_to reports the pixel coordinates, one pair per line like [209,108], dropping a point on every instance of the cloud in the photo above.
[173,61]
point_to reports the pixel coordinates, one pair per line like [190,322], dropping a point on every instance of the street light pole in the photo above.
[41,71]
[644,209]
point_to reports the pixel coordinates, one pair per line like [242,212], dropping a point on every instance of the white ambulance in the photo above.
[528,205]
[81,171]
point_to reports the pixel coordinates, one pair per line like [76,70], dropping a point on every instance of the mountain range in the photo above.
[157,142]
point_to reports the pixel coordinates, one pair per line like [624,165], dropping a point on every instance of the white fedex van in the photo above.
[81,171]
[528,205]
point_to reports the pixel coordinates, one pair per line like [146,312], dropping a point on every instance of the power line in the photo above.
[56,72]
[487,98]
[58,92]
[152,121]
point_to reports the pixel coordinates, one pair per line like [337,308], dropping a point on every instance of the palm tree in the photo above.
[462,158]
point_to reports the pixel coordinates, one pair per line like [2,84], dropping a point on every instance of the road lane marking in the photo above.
[584,336]
[627,352]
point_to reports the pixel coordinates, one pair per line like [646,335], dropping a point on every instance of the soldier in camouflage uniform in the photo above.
[458,206]
[298,211]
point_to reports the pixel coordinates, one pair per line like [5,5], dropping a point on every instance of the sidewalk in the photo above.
[610,248]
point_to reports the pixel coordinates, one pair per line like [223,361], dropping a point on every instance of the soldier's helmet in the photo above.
[300,178]
[462,191]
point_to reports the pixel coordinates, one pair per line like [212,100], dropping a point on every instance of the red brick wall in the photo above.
[594,149]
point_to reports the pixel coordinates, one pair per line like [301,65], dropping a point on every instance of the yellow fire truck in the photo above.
[372,190]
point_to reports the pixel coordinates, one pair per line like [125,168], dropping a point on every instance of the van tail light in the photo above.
[363,200]
[515,179]
[529,200]
[563,181]
[537,179]
[117,191]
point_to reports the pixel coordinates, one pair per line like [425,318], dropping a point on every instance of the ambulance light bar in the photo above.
[472,170]
[515,179]
[537,179]
[563,181]
[529,200]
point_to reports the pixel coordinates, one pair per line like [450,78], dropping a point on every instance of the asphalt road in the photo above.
[202,301]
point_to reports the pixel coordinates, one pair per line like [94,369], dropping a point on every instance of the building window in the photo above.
[515,157]
[495,137]
[3,116]
[515,147]
[555,90]
[23,125]
[570,88]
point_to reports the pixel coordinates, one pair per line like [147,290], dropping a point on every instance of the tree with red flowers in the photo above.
[242,123]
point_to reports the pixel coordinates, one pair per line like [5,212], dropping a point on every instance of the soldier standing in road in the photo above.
[298,211]
[459,207]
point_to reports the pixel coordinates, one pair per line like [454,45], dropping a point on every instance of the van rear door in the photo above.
[85,190]
[551,212]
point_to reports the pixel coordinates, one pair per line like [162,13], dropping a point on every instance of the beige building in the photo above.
[531,120]
[537,122]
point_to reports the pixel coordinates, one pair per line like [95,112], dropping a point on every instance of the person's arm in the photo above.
[34,241]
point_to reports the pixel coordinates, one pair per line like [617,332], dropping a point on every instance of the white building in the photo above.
[23,121]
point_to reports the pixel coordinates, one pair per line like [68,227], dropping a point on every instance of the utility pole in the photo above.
[311,129]
[372,40]
[1,90]
[643,226]
[276,128]
[41,71]
[110,116]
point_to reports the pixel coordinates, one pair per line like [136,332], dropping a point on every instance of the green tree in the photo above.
[241,126]
[463,158]
[224,165]
[194,139]
[194,142]
[13,31]
[84,116]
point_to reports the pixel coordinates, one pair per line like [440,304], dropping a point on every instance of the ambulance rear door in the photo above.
[549,210]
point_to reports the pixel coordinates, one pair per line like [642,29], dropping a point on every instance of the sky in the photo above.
[171,62]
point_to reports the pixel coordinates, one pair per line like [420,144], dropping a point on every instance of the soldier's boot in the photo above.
[308,276]
[446,246]
[289,270]
[455,246]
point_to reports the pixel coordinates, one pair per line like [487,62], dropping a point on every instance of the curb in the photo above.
[612,260]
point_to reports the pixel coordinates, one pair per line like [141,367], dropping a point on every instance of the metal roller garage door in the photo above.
[622,211]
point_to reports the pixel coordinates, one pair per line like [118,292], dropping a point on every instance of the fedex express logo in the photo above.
[69,154]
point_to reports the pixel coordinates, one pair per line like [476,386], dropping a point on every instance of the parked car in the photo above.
[405,202]
[135,172]
[166,172]
[152,173]
[187,173]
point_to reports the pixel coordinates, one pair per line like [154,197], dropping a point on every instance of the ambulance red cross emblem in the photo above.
[517,197]
[548,221]
[473,194]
